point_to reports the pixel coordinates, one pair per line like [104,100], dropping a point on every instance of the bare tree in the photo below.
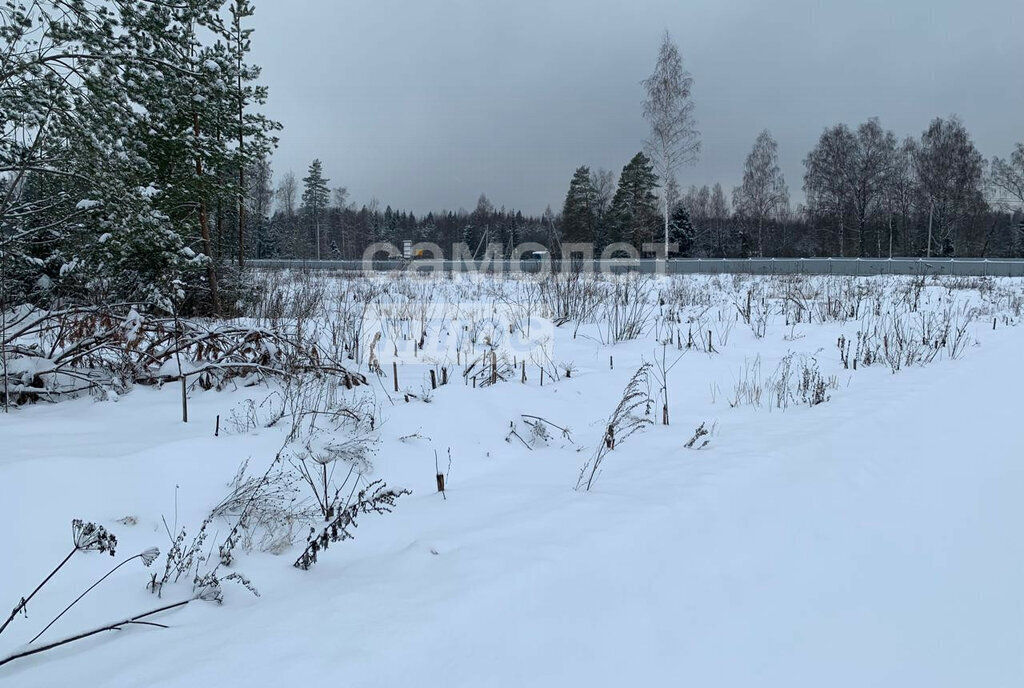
[1007,176]
[603,182]
[287,192]
[718,212]
[825,178]
[873,153]
[949,172]
[900,187]
[763,193]
[698,202]
[287,199]
[261,197]
[674,140]
[341,197]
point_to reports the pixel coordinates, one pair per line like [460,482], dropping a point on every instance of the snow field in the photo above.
[869,539]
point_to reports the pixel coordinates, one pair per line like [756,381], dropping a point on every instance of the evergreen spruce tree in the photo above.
[579,220]
[680,229]
[634,216]
[390,226]
[260,197]
[314,200]
[252,130]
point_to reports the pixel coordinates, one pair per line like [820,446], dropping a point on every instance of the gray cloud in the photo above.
[425,105]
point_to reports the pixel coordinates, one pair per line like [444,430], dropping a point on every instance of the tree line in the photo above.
[868,194]
[135,167]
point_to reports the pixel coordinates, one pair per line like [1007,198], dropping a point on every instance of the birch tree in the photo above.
[1007,176]
[668,107]
[764,192]
[873,154]
[718,212]
[949,173]
[825,179]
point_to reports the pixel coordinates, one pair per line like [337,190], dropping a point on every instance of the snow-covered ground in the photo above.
[872,539]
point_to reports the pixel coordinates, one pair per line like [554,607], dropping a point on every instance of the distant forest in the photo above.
[868,194]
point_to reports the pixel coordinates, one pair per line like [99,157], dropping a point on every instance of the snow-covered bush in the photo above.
[50,355]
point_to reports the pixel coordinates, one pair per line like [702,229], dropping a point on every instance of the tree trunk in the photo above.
[862,223]
[241,212]
[204,228]
[241,151]
[219,225]
[842,237]
[666,224]
[931,213]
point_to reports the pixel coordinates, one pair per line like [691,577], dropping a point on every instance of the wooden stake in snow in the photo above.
[439,475]
[184,400]
[181,373]
[433,379]
[394,369]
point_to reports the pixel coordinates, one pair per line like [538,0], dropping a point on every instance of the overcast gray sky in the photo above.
[425,104]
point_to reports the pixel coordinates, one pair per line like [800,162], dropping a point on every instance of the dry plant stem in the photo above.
[87,591]
[512,433]
[109,627]
[565,431]
[623,422]
[25,600]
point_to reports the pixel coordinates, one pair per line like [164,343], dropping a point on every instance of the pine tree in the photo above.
[128,132]
[314,199]
[390,227]
[579,218]
[634,216]
[199,127]
[253,131]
